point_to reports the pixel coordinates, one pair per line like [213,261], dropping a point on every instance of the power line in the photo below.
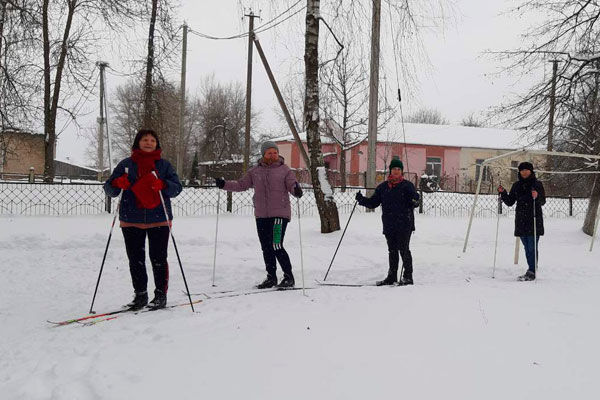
[262,28]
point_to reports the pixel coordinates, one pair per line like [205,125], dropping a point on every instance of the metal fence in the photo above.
[88,198]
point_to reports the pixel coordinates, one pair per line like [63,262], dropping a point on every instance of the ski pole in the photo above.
[535,237]
[497,229]
[216,235]
[342,238]
[112,226]
[301,255]
[162,200]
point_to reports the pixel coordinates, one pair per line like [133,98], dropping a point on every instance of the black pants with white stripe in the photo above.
[271,232]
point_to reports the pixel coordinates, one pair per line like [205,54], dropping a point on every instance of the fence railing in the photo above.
[87,198]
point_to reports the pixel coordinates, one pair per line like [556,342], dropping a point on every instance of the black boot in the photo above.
[391,279]
[529,276]
[287,281]
[405,280]
[159,300]
[269,282]
[139,301]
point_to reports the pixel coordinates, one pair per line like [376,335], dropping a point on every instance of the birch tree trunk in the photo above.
[328,212]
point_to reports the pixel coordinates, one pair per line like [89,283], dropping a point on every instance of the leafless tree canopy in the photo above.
[427,116]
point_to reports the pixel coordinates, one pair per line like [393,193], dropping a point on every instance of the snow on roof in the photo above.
[290,138]
[448,135]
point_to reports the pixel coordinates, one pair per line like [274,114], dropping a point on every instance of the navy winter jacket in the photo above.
[397,206]
[129,212]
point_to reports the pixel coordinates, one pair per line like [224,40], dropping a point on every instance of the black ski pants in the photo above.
[398,242]
[135,243]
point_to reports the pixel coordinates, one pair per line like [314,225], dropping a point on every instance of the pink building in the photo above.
[437,150]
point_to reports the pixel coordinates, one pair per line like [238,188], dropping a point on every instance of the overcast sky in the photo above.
[458,81]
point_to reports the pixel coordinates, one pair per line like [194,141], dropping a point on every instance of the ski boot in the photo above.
[269,282]
[139,301]
[287,282]
[391,278]
[159,300]
[529,276]
[406,280]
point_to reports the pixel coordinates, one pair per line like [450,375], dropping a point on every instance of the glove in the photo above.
[359,196]
[121,182]
[220,182]
[415,203]
[158,185]
[298,191]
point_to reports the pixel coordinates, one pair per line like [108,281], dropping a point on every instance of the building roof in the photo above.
[448,135]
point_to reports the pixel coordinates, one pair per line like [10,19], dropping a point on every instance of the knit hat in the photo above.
[526,165]
[396,163]
[268,145]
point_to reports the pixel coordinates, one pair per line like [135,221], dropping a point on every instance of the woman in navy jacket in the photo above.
[141,177]
[398,199]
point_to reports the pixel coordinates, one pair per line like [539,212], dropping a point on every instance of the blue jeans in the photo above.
[530,250]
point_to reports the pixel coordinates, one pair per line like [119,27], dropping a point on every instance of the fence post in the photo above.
[31,175]
[499,205]
[570,206]
[229,202]
[421,202]
[108,203]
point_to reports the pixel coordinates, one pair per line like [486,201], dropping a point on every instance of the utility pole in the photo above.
[101,120]
[552,105]
[251,17]
[284,109]
[373,97]
[179,161]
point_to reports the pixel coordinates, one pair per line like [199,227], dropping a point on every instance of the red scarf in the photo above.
[145,160]
[393,181]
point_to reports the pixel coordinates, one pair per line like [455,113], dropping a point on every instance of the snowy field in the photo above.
[456,334]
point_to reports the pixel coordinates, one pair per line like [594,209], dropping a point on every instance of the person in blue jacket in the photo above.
[141,177]
[398,199]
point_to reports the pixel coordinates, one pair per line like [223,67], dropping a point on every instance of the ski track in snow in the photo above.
[455,334]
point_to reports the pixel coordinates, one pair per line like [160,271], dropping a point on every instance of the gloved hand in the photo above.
[298,191]
[359,196]
[158,185]
[415,203]
[121,182]
[220,182]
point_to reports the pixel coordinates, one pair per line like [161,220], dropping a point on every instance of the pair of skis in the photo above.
[94,319]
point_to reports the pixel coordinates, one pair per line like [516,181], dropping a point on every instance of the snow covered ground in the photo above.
[456,334]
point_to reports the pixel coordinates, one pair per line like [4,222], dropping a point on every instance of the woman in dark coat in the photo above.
[398,199]
[526,192]
[141,177]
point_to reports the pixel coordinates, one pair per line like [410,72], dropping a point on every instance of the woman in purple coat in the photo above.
[272,180]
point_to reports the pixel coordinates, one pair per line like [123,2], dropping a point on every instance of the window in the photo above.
[433,166]
[486,171]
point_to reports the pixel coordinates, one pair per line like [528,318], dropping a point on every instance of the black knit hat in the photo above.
[141,133]
[396,163]
[526,165]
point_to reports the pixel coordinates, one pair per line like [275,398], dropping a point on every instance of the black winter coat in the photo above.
[129,212]
[520,192]
[397,206]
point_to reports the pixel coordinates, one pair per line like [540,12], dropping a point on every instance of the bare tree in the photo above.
[19,32]
[568,34]
[472,121]
[325,203]
[222,120]
[427,116]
